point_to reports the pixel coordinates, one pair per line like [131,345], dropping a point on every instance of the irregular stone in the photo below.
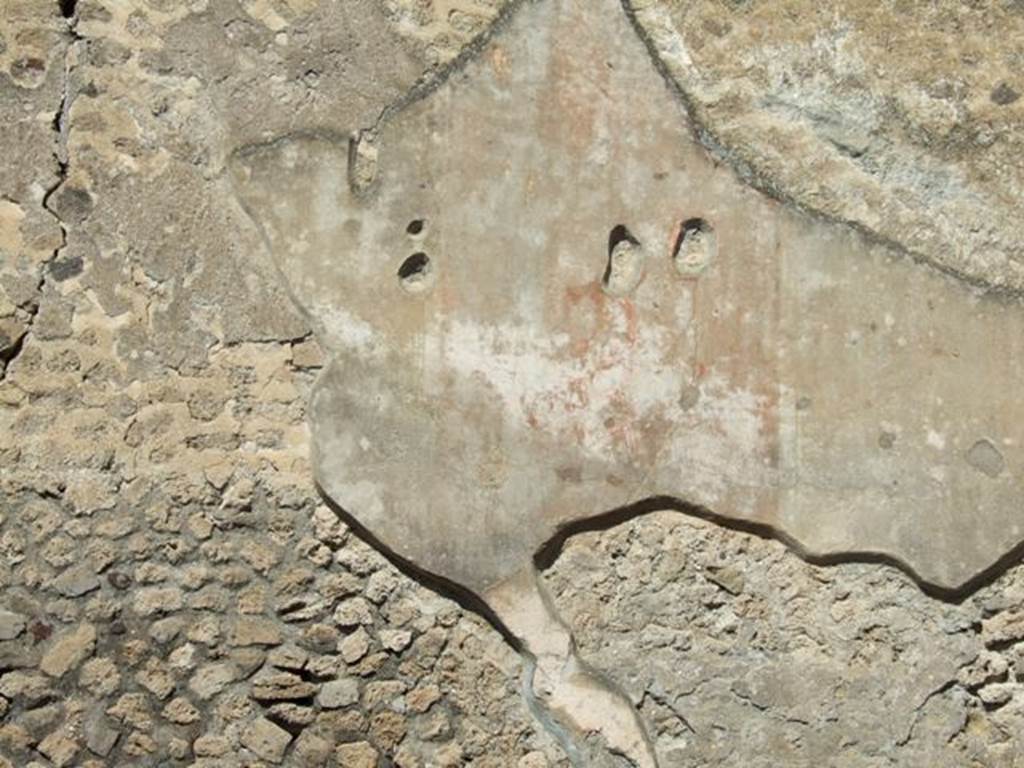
[352,613]
[266,740]
[76,581]
[11,624]
[311,750]
[155,678]
[1003,628]
[255,631]
[153,600]
[997,694]
[728,578]
[59,748]
[100,676]
[181,711]
[210,679]
[355,646]
[211,745]
[987,668]
[336,694]
[289,657]
[100,735]
[275,685]
[396,640]
[29,686]
[293,714]
[69,650]
[360,754]
[423,697]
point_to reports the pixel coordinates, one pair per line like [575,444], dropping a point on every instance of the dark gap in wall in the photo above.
[67,8]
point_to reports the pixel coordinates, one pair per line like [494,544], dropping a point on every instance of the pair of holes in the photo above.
[414,273]
[692,252]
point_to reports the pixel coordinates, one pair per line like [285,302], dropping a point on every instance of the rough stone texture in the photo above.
[800,666]
[154,376]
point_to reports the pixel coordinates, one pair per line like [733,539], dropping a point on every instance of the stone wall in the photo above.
[174,589]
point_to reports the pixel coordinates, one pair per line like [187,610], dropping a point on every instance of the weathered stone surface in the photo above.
[335,694]
[266,740]
[69,650]
[11,624]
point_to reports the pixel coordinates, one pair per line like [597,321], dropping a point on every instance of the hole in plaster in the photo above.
[625,262]
[67,8]
[416,227]
[695,247]
[415,272]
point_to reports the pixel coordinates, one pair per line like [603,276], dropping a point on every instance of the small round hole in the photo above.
[415,272]
[416,227]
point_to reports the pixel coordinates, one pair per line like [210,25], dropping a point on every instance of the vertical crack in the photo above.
[61,129]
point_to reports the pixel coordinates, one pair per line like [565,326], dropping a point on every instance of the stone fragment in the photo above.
[59,748]
[292,714]
[396,640]
[100,735]
[29,686]
[276,685]
[165,630]
[422,698]
[311,750]
[76,581]
[997,694]
[353,613]
[255,631]
[11,624]
[336,694]
[354,646]
[100,676]
[181,711]
[69,651]
[210,679]
[155,678]
[988,668]
[266,740]
[1003,628]
[388,728]
[289,657]
[727,577]
[132,709]
[152,600]
[211,745]
[360,754]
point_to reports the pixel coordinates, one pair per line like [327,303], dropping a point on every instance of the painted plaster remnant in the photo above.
[527,370]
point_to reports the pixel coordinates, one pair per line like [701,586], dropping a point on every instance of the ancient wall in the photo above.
[174,590]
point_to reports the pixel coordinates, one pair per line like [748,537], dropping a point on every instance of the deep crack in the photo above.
[61,127]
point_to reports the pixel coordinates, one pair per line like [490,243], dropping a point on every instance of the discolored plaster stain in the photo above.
[986,458]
